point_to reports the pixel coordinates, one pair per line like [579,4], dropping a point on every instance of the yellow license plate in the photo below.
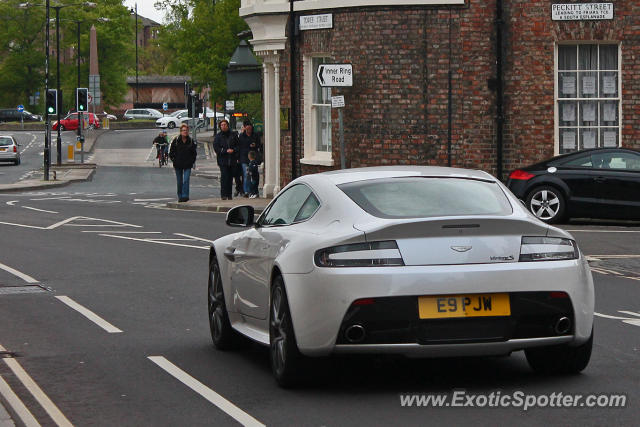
[472,305]
[3,149]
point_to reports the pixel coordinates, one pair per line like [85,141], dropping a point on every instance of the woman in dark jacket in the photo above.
[226,147]
[183,155]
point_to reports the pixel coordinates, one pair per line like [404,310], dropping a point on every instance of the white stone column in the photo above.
[276,122]
[269,147]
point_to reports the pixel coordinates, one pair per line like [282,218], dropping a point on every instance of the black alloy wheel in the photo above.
[547,204]
[221,331]
[171,125]
[560,359]
[286,359]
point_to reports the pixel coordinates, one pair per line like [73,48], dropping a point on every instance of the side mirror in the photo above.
[240,216]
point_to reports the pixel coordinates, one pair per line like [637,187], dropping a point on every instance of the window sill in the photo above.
[318,160]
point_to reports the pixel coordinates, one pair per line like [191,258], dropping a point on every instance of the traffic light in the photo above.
[52,102]
[82,99]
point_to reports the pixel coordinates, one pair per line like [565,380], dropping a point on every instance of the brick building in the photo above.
[487,84]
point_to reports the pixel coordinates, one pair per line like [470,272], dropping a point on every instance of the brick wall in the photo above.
[397,110]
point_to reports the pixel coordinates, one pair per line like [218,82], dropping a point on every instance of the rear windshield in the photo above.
[4,141]
[419,197]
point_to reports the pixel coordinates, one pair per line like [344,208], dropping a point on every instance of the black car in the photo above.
[13,115]
[595,183]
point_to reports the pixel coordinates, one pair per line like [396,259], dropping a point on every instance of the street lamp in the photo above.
[135,11]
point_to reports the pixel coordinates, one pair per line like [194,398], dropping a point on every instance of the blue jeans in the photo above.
[182,178]
[246,179]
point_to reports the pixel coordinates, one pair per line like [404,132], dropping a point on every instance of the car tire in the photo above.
[171,125]
[560,359]
[222,334]
[16,162]
[547,204]
[286,360]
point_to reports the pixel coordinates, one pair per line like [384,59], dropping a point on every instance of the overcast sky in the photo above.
[146,9]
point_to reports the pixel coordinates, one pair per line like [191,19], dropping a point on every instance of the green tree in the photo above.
[22,53]
[202,34]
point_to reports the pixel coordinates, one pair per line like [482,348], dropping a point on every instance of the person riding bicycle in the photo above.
[161,142]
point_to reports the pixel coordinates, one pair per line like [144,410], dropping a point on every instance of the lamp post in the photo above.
[135,11]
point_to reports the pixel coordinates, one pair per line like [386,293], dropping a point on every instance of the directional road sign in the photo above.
[165,106]
[21,108]
[333,75]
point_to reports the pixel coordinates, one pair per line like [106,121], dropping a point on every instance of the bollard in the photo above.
[70,155]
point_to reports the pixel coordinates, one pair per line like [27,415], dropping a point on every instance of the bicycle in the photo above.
[162,155]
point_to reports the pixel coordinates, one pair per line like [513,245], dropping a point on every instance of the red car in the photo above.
[71,122]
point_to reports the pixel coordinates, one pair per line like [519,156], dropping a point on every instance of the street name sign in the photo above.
[316,22]
[335,75]
[581,11]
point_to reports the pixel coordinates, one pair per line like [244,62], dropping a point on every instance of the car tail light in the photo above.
[363,301]
[558,294]
[369,254]
[15,149]
[548,249]
[521,175]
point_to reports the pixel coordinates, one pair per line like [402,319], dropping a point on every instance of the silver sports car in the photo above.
[419,261]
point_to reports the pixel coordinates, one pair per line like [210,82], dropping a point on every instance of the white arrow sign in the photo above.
[334,75]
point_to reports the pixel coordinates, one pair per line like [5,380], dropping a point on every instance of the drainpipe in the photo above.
[499,23]
[449,100]
[293,120]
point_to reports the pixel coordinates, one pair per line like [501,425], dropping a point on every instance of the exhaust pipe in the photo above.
[563,325]
[355,334]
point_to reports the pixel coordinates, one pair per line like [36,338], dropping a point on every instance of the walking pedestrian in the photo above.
[183,155]
[248,141]
[225,146]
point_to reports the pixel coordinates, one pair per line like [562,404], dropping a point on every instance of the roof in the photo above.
[146,22]
[360,174]
[131,80]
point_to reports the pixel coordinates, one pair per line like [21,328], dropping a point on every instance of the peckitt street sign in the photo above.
[335,75]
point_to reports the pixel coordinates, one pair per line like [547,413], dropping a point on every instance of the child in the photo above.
[254,175]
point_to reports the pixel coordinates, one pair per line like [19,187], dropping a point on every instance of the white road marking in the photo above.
[155,241]
[204,391]
[12,202]
[46,403]
[89,314]
[19,274]
[93,225]
[39,210]
[53,198]
[193,237]
[598,257]
[607,316]
[153,200]
[631,313]
[16,404]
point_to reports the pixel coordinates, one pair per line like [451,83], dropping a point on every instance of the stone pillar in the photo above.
[276,122]
[270,153]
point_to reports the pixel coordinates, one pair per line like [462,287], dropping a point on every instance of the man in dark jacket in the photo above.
[248,141]
[225,145]
[183,155]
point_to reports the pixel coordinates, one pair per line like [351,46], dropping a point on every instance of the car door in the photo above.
[261,245]
[577,174]
[617,183]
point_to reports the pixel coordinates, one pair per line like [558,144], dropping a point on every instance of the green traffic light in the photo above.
[82,107]
[50,109]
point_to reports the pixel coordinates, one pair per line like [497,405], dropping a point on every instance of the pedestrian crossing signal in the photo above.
[82,99]
[52,102]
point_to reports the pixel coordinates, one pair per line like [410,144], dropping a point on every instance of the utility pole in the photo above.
[47,135]
[58,141]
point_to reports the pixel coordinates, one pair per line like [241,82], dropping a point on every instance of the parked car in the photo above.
[594,183]
[13,115]
[173,120]
[420,261]
[70,122]
[9,151]
[142,113]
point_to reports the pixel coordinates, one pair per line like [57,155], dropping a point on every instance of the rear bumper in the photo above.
[319,300]
[9,156]
[451,350]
